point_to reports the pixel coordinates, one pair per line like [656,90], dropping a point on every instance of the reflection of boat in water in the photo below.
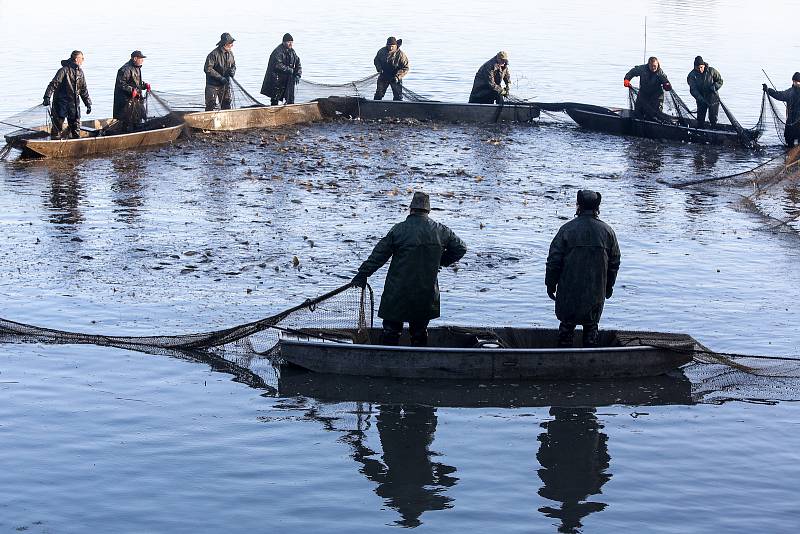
[491,354]
[673,388]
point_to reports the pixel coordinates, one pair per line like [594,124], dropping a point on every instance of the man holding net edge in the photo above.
[652,84]
[220,67]
[418,247]
[68,85]
[283,72]
[704,82]
[129,89]
[791,96]
[486,87]
[391,64]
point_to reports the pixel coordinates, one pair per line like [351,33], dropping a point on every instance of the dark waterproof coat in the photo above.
[651,94]
[283,63]
[704,87]
[390,66]
[129,77]
[488,79]
[219,64]
[792,98]
[417,246]
[66,86]
[581,268]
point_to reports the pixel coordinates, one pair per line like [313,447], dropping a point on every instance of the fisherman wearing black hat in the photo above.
[391,64]
[486,87]
[283,73]
[791,96]
[128,93]
[67,86]
[704,82]
[220,67]
[418,247]
[652,84]
[581,270]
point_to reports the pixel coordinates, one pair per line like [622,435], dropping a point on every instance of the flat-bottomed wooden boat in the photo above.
[254,117]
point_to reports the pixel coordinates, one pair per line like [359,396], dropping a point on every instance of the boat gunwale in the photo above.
[85,139]
[617,114]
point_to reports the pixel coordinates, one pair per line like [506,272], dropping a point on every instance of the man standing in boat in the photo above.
[704,82]
[129,90]
[391,64]
[418,247]
[68,85]
[220,67]
[581,270]
[486,88]
[652,84]
[283,73]
[791,96]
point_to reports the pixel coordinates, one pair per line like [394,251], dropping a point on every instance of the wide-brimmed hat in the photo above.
[137,53]
[393,41]
[225,38]
[589,200]
[420,201]
[502,56]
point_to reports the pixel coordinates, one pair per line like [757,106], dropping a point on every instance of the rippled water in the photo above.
[201,235]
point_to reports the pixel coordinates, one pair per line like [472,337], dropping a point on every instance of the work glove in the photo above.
[626,83]
[147,86]
[763,88]
[714,89]
[46,101]
[134,93]
[667,86]
[551,292]
[609,292]
[88,109]
[226,80]
[290,70]
[505,91]
[360,280]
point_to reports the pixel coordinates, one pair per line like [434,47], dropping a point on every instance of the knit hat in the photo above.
[589,200]
[698,61]
[796,77]
[287,37]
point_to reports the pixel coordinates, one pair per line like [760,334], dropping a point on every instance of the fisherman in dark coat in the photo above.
[652,84]
[220,67]
[418,247]
[66,87]
[486,87]
[283,72]
[391,64]
[128,93]
[581,270]
[791,96]
[704,82]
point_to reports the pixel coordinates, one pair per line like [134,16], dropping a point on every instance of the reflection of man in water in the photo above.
[407,479]
[574,459]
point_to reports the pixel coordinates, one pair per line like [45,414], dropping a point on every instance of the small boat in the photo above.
[36,142]
[362,108]
[254,117]
[623,122]
[503,353]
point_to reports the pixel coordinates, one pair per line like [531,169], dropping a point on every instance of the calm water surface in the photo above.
[201,235]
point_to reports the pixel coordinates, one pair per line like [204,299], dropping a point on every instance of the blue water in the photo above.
[201,235]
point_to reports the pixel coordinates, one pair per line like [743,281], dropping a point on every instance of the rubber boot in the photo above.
[419,339]
[566,334]
[591,336]
[390,337]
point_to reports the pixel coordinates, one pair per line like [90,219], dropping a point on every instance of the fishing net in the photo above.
[777,112]
[194,101]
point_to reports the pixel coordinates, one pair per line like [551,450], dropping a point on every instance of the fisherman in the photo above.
[581,270]
[486,88]
[704,82]
[128,93]
[791,96]
[220,67]
[418,247]
[68,85]
[392,66]
[283,73]
[652,84]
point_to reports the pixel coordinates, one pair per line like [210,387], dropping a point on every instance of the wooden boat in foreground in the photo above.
[36,143]
[623,122]
[254,117]
[362,108]
[489,354]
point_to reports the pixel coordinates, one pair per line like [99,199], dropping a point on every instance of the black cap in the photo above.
[287,37]
[137,53]
[225,38]
[796,77]
[589,200]
[391,41]
[698,61]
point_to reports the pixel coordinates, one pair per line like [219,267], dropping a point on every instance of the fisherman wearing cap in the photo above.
[391,64]
[128,92]
[66,87]
[283,72]
[652,84]
[704,82]
[418,247]
[581,270]
[220,67]
[486,88]
[791,96]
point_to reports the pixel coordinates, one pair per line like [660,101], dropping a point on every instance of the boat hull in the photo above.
[254,117]
[537,359]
